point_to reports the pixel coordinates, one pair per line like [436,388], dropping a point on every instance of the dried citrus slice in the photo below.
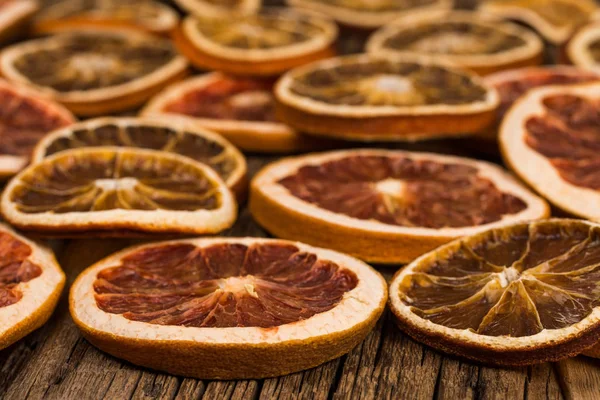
[240,109]
[154,134]
[583,49]
[30,284]
[467,39]
[227,308]
[556,20]
[369,14]
[371,97]
[24,118]
[518,295]
[264,44]
[386,206]
[551,139]
[111,191]
[219,8]
[95,71]
[147,15]
[14,15]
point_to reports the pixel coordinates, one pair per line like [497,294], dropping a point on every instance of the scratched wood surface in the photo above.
[55,362]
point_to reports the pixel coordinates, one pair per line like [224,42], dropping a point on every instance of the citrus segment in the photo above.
[219,8]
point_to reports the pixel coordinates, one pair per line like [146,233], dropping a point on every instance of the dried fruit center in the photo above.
[378,5]
[402,191]
[223,285]
[568,134]
[594,49]
[15,268]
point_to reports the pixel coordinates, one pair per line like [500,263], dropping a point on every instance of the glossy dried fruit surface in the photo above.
[15,268]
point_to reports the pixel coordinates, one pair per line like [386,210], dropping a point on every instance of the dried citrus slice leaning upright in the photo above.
[30,284]
[466,39]
[227,308]
[95,71]
[14,15]
[264,44]
[551,139]
[219,8]
[372,97]
[386,206]
[25,117]
[176,137]
[513,296]
[583,50]
[112,191]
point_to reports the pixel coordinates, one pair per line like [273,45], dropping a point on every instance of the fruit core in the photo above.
[15,268]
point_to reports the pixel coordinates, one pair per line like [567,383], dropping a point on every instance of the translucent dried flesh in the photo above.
[381,83]
[15,268]
[108,180]
[558,12]
[378,5]
[223,285]
[401,191]
[568,134]
[88,61]
[141,11]
[511,282]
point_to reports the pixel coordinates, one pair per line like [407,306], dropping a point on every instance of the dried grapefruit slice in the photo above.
[583,49]
[95,71]
[147,15]
[25,117]
[264,44]
[467,39]
[555,20]
[518,295]
[371,97]
[551,139]
[111,191]
[14,15]
[155,134]
[219,8]
[386,206]
[30,284]
[227,308]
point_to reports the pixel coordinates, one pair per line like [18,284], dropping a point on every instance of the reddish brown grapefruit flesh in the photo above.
[14,268]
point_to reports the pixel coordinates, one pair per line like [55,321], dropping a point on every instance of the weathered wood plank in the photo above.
[579,377]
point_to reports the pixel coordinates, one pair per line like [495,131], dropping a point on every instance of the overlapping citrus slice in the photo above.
[95,71]
[386,206]
[14,16]
[25,117]
[374,97]
[518,295]
[264,44]
[112,191]
[176,137]
[467,39]
[227,308]
[219,8]
[369,14]
[551,139]
[555,20]
[147,15]
[30,284]
[583,50]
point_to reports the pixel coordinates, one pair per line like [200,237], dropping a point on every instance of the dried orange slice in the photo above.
[111,191]
[551,139]
[14,16]
[371,97]
[467,39]
[147,15]
[518,295]
[25,117]
[227,308]
[555,20]
[264,44]
[583,49]
[386,206]
[95,71]
[219,8]
[369,14]
[30,284]
[240,109]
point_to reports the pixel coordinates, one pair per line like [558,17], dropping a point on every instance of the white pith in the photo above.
[578,48]
[356,307]
[536,169]
[266,180]
[202,8]
[16,12]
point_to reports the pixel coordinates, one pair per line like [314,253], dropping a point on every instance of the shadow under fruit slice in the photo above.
[386,206]
[219,8]
[14,16]
[518,295]
[583,50]
[25,117]
[95,71]
[551,139]
[177,137]
[112,191]
[30,284]
[371,97]
[227,308]
[264,44]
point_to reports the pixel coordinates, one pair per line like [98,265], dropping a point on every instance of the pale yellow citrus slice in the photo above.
[219,8]
[14,17]
[583,50]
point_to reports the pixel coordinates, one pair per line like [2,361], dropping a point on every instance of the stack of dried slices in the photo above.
[488,275]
